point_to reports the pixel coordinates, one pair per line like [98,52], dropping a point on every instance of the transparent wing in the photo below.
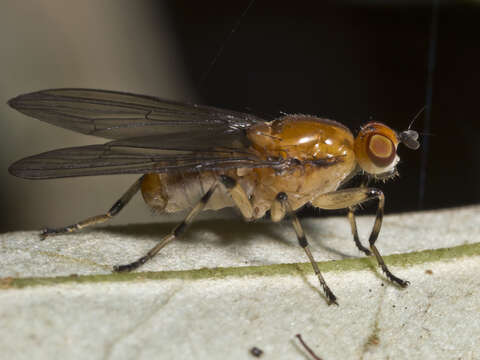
[152,154]
[150,135]
[118,115]
[185,152]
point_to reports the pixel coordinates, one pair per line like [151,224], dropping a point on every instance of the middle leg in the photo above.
[282,200]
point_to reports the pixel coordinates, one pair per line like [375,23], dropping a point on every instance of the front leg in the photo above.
[353,227]
[348,198]
[353,223]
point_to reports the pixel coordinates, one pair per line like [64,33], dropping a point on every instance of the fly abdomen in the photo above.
[180,191]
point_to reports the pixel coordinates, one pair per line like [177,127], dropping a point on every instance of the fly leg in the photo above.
[350,197]
[353,226]
[176,232]
[282,203]
[114,210]
[353,223]
[278,210]
[239,196]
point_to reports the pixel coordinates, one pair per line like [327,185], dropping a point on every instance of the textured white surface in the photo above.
[227,242]
[437,317]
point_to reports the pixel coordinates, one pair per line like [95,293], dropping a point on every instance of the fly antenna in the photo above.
[224,43]
[416,116]
[410,137]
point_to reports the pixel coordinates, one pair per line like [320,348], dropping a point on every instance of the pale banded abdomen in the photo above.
[302,183]
[181,191]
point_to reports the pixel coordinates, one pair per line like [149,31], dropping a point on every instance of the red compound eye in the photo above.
[376,148]
[380,150]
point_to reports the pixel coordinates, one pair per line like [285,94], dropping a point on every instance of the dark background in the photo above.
[352,61]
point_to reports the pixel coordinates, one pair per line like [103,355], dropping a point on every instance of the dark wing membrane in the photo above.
[118,115]
[152,154]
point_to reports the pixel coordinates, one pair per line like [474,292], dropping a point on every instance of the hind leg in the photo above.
[176,232]
[98,219]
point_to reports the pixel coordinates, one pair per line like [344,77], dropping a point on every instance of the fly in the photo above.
[195,157]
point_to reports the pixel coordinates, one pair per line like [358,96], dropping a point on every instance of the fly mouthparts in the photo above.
[409,139]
